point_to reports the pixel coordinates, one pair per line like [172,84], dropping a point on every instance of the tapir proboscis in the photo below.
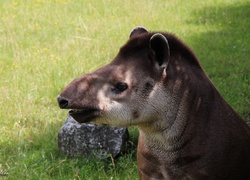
[186,129]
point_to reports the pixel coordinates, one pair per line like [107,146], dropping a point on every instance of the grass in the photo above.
[44,44]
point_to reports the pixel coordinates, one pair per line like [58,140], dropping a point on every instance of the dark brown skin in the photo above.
[186,129]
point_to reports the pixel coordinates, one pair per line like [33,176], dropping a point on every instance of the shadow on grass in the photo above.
[38,157]
[223,47]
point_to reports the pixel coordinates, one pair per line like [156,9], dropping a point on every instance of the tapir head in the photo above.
[126,91]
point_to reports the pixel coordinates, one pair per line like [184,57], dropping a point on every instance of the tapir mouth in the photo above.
[84,115]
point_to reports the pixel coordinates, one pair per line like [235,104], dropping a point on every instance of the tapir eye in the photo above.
[119,87]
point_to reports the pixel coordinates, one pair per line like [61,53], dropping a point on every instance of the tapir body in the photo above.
[186,129]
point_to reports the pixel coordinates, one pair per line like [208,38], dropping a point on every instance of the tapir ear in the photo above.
[137,31]
[159,44]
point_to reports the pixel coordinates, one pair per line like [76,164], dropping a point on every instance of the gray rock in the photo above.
[75,139]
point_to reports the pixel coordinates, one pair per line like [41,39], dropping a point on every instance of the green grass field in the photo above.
[44,44]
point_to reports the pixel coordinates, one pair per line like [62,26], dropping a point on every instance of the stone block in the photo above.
[75,139]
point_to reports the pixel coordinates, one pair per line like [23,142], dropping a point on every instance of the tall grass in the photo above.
[44,44]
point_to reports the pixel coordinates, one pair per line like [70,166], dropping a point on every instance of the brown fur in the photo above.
[186,129]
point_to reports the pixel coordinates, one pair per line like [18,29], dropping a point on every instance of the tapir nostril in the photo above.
[63,103]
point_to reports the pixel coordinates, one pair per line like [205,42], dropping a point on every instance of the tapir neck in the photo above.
[183,98]
[171,139]
[176,119]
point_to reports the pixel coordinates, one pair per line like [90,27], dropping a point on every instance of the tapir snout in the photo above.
[82,101]
[81,115]
[62,102]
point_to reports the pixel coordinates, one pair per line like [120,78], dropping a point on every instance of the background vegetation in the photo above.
[44,44]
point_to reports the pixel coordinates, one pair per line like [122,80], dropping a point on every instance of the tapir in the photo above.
[186,129]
